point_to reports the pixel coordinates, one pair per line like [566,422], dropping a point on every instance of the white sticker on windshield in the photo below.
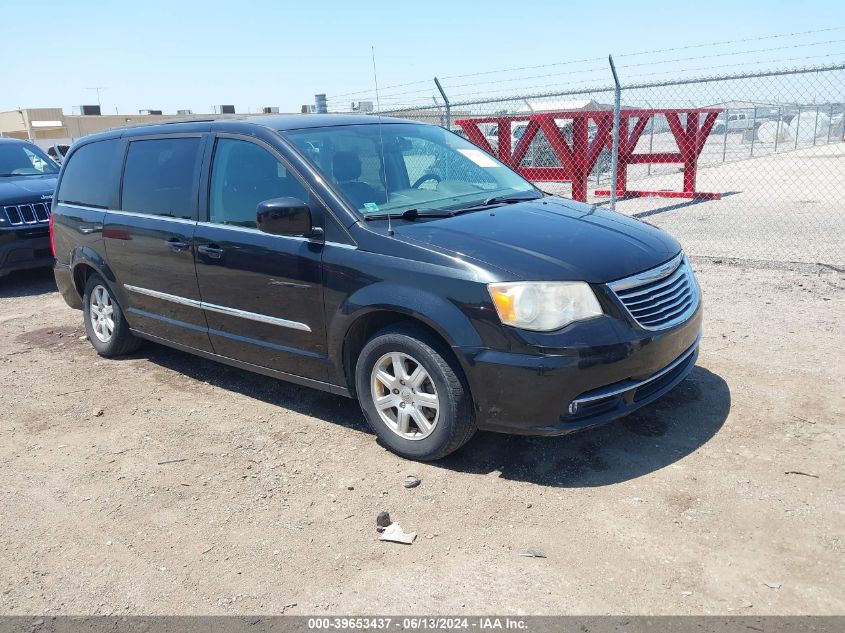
[479,158]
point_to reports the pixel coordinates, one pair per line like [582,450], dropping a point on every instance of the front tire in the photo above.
[105,324]
[412,393]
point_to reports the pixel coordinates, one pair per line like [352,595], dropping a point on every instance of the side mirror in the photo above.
[286,216]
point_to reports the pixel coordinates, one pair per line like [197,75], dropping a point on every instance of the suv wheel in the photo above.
[413,395]
[104,323]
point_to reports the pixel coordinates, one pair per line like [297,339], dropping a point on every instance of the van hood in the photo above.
[18,189]
[548,239]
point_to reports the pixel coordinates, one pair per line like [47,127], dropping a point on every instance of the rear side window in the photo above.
[91,174]
[160,177]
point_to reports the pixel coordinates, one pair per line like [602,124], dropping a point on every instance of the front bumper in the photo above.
[23,249]
[582,386]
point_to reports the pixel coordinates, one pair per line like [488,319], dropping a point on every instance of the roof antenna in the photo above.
[381,141]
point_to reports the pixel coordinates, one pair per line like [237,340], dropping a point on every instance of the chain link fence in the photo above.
[747,166]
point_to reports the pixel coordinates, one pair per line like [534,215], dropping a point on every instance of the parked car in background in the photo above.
[27,181]
[390,261]
[58,151]
[738,121]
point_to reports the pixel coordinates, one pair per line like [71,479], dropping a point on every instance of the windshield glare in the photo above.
[422,167]
[17,159]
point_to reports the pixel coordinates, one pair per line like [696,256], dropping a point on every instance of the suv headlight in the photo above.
[543,305]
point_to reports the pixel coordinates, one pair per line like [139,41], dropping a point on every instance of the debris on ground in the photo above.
[533,553]
[396,534]
[382,521]
[411,481]
[98,412]
[772,585]
[799,472]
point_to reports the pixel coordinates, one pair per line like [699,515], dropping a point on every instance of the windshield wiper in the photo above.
[410,214]
[510,199]
[494,202]
[18,175]
[413,214]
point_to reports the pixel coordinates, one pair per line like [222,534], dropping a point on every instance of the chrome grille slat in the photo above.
[13,215]
[659,298]
[650,286]
[669,314]
[657,295]
[662,306]
[27,214]
[41,213]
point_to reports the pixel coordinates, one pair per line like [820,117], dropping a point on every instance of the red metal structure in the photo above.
[578,157]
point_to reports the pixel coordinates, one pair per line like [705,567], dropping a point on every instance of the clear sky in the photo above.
[169,55]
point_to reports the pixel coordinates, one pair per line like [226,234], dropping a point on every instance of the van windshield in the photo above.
[19,159]
[421,167]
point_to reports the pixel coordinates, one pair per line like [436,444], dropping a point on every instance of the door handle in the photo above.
[212,251]
[176,245]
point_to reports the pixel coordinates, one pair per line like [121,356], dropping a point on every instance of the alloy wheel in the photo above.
[101,313]
[405,396]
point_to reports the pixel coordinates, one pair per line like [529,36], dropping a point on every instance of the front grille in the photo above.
[661,297]
[27,214]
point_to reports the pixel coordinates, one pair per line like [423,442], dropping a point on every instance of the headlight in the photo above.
[543,305]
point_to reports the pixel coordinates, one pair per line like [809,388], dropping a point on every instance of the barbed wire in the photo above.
[404,104]
[592,59]
[398,99]
[629,86]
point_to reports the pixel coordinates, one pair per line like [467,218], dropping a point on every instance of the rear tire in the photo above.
[413,394]
[105,324]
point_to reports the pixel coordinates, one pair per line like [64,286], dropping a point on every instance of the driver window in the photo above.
[244,174]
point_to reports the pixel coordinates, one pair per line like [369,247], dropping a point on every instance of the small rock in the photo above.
[108,542]
[746,604]
[533,553]
[350,487]
[382,521]
[98,412]
[686,593]
[411,481]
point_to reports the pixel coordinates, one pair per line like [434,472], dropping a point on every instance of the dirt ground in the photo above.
[165,484]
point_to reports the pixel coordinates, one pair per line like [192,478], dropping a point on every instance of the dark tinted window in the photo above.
[91,175]
[244,174]
[159,177]
[19,159]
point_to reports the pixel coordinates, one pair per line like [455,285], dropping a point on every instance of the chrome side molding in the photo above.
[243,314]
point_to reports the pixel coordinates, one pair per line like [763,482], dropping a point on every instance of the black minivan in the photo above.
[376,258]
